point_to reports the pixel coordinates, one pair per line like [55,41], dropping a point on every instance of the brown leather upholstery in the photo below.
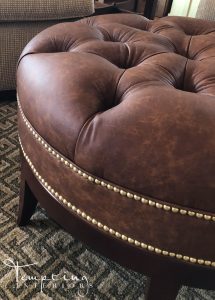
[131,103]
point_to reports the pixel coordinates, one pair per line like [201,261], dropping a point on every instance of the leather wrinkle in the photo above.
[115,98]
[81,131]
[185,67]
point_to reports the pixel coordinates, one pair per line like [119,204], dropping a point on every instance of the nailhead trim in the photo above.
[123,237]
[111,187]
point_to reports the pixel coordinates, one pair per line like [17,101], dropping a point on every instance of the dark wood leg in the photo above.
[162,288]
[27,202]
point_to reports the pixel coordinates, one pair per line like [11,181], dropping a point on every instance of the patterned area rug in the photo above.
[42,261]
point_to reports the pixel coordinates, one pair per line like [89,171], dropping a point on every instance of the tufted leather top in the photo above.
[129,100]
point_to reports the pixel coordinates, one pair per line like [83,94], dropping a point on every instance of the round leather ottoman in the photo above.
[117,131]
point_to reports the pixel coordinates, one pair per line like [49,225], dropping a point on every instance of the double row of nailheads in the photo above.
[111,187]
[108,229]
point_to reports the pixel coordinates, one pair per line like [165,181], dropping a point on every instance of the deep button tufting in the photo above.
[148,97]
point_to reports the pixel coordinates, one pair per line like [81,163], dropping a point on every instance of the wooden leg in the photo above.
[162,288]
[27,202]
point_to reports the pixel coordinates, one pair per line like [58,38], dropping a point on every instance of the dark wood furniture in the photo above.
[145,7]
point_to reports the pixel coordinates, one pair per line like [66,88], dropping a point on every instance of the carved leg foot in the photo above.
[27,202]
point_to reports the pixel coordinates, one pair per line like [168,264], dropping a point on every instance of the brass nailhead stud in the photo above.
[116,190]
[90,178]
[158,205]
[109,187]
[151,203]
[124,237]
[157,250]
[199,216]
[172,254]
[165,252]
[191,213]
[143,245]
[183,211]
[150,248]
[136,197]
[186,258]
[117,234]
[137,243]
[123,193]
[206,217]
[166,207]
[131,241]
[200,261]
[193,260]
[145,201]
[129,195]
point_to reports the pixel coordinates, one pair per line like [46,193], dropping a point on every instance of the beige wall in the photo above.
[186,8]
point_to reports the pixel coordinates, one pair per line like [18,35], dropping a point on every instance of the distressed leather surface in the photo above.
[129,100]
[162,229]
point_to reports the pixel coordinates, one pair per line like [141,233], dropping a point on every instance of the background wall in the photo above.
[186,8]
[202,9]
